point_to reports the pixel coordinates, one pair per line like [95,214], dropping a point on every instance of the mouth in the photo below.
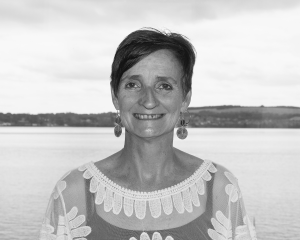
[148,116]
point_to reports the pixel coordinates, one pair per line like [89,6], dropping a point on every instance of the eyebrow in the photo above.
[163,78]
[132,77]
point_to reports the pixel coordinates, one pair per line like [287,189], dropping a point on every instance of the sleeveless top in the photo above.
[71,212]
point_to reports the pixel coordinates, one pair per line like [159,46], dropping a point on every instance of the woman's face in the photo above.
[150,95]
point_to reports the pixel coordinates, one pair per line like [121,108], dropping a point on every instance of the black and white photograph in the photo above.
[149,120]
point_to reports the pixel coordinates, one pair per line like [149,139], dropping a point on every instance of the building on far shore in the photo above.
[5,124]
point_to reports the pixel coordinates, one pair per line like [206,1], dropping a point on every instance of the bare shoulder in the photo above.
[223,174]
[73,179]
[187,161]
[223,177]
[109,164]
[70,189]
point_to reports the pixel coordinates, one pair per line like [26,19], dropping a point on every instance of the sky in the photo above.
[56,55]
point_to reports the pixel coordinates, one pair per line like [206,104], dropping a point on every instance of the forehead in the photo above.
[160,63]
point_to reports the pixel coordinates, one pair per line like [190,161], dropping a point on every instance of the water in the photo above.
[266,162]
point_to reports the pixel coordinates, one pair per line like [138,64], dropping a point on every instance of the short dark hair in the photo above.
[139,44]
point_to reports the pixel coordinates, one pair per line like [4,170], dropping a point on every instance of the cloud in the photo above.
[56,55]
[72,67]
[258,49]
[114,11]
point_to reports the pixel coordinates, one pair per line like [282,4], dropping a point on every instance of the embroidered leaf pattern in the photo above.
[212,169]
[60,186]
[206,176]
[82,168]
[128,206]
[140,208]
[246,231]
[93,185]
[47,231]
[169,238]
[232,178]
[74,222]
[155,207]
[155,236]
[178,203]
[222,227]
[194,195]
[233,189]
[108,200]
[100,194]
[144,236]
[182,196]
[114,197]
[87,174]
[167,204]
[118,202]
[200,186]
[232,192]
[187,201]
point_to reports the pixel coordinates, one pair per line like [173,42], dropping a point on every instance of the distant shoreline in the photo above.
[113,126]
[200,117]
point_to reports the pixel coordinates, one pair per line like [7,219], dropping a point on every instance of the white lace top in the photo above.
[71,211]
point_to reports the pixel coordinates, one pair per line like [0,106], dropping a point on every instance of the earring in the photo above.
[181,131]
[118,127]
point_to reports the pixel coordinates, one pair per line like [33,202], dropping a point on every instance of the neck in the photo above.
[149,159]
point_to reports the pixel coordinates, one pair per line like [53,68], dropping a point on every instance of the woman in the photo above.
[149,189]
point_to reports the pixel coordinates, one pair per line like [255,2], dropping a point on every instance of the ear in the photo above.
[186,101]
[114,99]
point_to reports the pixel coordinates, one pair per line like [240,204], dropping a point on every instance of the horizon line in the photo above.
[212,106]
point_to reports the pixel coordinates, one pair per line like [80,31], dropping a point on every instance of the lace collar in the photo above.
[114,197]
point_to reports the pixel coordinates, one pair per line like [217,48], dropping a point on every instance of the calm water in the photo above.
[266,162]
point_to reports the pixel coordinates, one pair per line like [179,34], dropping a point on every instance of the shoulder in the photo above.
[225,182]
[70,188]
[74,178]
[187,161]
[109,165]
[223,176]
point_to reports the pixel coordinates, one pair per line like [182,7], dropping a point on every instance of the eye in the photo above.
[165,86]
[131,85]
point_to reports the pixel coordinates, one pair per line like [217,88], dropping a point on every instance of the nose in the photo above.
[148,99]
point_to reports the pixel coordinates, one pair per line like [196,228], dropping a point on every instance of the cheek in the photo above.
[125,102]
[125,105]
[176,117]
[174,104]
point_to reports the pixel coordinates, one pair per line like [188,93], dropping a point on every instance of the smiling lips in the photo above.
[148,116]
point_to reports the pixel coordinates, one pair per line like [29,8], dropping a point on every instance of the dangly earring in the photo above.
[118,127]
[181,131]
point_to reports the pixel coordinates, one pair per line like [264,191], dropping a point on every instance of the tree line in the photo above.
[203,117]
[58,119]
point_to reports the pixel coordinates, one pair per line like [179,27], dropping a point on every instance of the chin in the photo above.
[149,132]
[153,132]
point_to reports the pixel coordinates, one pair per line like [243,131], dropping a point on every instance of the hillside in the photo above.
[245,117]
[201,117]
[263,110]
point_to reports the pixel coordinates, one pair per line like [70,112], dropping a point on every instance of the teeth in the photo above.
[148,116]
